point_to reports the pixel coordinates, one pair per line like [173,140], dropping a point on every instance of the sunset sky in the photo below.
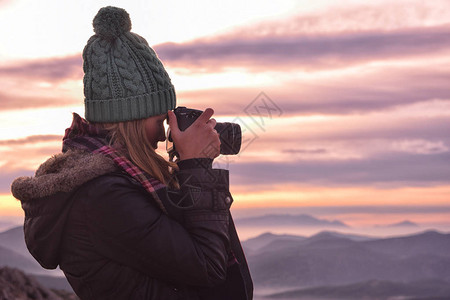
[344,105]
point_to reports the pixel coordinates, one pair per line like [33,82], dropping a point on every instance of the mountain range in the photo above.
[335,259]
[329,262]
[373,290]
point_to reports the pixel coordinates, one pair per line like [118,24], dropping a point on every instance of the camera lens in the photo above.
[230,137]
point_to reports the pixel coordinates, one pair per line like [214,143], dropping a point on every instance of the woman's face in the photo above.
[154,127]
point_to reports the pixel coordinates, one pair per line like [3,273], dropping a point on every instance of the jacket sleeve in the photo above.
[189,248]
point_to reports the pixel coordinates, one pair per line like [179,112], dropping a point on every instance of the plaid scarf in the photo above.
[84,136]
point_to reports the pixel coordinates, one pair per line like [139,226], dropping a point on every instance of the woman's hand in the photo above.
[199,140]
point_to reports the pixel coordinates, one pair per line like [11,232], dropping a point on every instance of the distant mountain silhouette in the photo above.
[269,241]
[16,260]
[6,224]
[288,220]
[332,234]
[373,290]
[405,223]
[265,239]
[14,254]
[13,239]
[327,259]
[14,284]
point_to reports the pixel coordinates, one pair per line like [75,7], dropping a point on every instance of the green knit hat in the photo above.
[124,79]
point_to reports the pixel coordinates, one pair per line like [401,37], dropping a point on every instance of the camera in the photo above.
[229,133]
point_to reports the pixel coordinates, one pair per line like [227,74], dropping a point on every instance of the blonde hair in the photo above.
[131,138]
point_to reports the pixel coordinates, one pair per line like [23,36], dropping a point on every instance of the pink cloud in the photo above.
[17,101]
[5,2]
[336,38]
[368,17]
[31,140]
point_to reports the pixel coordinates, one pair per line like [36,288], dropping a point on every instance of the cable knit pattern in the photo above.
[87,66]
[151,60]
[131,42]
[100,87]
[129,74]
[124,78]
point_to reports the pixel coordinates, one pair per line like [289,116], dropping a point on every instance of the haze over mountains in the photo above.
[287,219]
[328,265]
[307,225]
[330,259]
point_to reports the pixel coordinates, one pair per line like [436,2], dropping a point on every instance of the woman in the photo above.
[120,220]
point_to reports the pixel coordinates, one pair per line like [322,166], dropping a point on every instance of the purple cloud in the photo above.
[265,53]
[302,51]
[381,89]
[389,170]
[435,128]
[53,69]
[7,177]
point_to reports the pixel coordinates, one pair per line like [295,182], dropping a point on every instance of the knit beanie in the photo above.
[124,79]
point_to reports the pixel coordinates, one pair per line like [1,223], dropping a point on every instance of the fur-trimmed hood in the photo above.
[62,173]
[46,199]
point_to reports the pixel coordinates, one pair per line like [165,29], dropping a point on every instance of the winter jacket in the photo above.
[113,241]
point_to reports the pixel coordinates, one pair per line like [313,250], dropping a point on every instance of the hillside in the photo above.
[14,284]
[14,241]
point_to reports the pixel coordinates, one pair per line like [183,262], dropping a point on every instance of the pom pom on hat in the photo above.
[110,22]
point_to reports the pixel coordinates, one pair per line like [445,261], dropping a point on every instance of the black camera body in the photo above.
[229,133]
